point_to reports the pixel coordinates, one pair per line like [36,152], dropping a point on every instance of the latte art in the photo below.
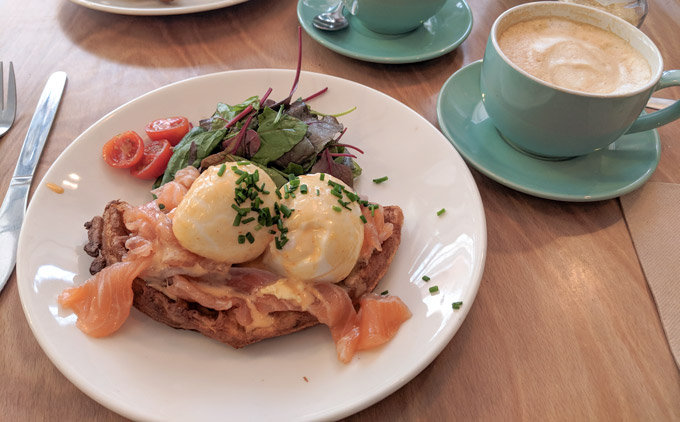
[575,55]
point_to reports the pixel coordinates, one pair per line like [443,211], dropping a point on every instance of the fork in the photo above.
[8,110]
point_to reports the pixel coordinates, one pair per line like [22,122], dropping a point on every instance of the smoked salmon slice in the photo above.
[379,319]
[103,303]
[376,231]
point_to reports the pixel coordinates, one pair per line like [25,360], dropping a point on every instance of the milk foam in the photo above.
[575,55]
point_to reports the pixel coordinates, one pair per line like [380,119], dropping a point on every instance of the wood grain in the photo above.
[564,326]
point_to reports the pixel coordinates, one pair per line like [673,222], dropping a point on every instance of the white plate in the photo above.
[148,371]
[155,7]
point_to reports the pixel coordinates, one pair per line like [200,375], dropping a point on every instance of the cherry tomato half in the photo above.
[172,128]
[155,160]
[123,150]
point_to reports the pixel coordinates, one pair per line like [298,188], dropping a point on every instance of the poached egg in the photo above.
[214,221]
[324,237]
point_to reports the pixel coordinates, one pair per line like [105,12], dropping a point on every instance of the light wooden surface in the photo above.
[564,326]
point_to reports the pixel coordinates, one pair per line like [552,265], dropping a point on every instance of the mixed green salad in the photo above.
[284,138]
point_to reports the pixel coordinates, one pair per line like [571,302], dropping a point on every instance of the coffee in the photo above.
[575,55]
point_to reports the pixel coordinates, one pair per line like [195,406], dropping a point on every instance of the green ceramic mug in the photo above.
[548,121]
[393,16]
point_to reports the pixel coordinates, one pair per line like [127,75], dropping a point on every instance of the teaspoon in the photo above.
[331,20]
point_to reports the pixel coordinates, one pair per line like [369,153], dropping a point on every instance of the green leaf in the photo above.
[226,113]
[294,168]
[277,136]
[280,178]
[205,141]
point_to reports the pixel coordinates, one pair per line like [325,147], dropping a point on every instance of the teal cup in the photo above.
[551,122]
[393,16]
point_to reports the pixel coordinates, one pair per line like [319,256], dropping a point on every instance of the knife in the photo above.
[13,206]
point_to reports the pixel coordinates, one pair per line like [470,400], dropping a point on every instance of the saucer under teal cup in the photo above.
[393,16]
[553,122]
[439,35]
[620,168]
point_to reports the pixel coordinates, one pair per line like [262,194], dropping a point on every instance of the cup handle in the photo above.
[659,118]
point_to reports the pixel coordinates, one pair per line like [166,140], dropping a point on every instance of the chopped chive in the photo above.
[238,171]
[285,210]
[222,169]
[295,182]
[380,180]
[161,206]
[291,177]
[247,220]
[242,163]
[336,208]
[237,220]
[154,196]
[384,293]
[363,219]
[280,242]
[434,289]
[441,211]
[258,227]
[352,196]
[426,278]
[318,192]
[279,194]
[272,231]
[240,210]
[241,239]
[456,305]
[303,189]
[344,204]
[250,237]
[241,178]
[256,176]
[322,176]
[336,193]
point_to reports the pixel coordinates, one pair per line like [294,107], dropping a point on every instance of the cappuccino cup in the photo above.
[393,16]
[561,80]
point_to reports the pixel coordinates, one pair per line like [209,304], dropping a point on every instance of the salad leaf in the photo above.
[320,132]
[277,176]
[328,165]
[294,168]
[277,136]
[225,113]
[301,153]
[204,143]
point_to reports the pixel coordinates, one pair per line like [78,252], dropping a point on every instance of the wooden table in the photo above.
[564,326]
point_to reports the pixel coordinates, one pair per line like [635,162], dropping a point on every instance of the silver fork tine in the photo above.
[11,105]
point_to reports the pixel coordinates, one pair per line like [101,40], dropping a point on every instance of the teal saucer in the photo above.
[437,36]
[609,173]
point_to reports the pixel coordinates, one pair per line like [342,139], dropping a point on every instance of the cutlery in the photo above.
[14,205]
[659,103]
[7,111]
[332,20]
